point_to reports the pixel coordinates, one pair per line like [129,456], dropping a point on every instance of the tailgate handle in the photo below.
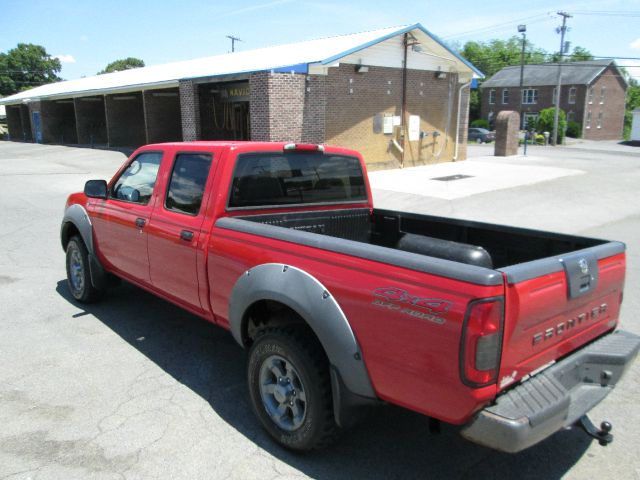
[186,235]
[581,270]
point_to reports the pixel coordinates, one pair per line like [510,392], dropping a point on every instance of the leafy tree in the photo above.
[492,56]
[632,102]
[122,64]
[545,122]
[579,54]
[27,66]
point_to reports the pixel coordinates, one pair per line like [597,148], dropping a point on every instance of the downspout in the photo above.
[404,99]
[455,153]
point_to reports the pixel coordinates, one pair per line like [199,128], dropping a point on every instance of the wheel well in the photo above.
[269,313]
[68,231]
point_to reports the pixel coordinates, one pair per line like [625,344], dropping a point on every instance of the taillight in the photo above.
[304,147]
[482,342]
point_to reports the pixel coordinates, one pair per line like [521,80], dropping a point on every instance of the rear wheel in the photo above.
[288,375]
[478,140]
[78,274]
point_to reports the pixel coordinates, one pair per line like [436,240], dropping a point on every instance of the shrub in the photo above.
[539,139]
[480,123]
[574,129]
[545,122]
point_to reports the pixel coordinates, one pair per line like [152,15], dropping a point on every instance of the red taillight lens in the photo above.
[304,147]
[482,342]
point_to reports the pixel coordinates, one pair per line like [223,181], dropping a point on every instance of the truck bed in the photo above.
[446,238]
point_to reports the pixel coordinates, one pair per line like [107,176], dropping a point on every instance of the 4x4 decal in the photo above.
[434,308]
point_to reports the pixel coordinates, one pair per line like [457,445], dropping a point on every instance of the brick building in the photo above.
[398,95]
[592,93]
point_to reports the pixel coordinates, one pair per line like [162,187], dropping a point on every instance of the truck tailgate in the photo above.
[555,305]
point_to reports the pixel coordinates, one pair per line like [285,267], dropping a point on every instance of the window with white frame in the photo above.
[590,95]
[492,97]
[587,122]
[554,96]
[599,120]
[505,96]
[602,90]
[529,96]
[572,94]
[571,116]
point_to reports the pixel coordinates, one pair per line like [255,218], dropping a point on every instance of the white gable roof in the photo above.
[292,56]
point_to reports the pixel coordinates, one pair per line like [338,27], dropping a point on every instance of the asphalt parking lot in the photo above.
[134,388]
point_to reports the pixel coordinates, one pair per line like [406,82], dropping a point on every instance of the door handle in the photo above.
[186,235]
[140,222]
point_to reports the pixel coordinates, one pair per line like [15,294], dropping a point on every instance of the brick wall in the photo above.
[612,108]
[354,99]
[314,109]
[610,125]
[259,106]
[189,110]
[288,107]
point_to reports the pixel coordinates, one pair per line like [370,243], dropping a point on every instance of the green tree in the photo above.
[545,122]
[579,54]
[27,66]
[122,64]
[492,56]
[632,102]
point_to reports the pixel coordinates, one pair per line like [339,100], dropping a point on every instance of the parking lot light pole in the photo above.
[523,30]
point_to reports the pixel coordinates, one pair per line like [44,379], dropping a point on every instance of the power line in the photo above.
[608,13]
[491,27]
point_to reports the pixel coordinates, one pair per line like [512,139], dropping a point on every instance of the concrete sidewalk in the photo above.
[469,177]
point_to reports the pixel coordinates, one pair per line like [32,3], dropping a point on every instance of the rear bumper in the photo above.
[555,398]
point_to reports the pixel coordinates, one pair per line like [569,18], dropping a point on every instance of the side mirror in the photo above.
[96,189]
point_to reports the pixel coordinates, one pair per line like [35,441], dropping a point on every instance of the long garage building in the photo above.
[398,95]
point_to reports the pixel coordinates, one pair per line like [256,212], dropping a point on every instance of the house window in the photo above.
[572,95]
[492,97]
[505,96]
[529,96]
[587,122]
[571,116]
[554,97]
[602,89]
[590,95]
[599,120]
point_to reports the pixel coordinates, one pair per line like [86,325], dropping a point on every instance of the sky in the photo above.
[86,35]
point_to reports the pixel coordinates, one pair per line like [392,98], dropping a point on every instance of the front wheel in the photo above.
[78,275]
[290,388]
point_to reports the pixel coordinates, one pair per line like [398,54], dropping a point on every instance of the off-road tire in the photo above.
[78,274]
[302,352]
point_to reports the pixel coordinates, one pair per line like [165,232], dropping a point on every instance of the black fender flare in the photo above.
[77,216]
[304,294]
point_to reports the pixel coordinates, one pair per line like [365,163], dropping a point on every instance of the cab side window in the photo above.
[186,186]
[138,179]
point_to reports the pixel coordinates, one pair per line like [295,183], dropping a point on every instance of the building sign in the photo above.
[235,92]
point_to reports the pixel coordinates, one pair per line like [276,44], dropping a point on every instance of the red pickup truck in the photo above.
[508,332]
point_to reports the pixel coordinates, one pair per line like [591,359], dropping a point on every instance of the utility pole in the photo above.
[233,42]
[562,30]
[523,30]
